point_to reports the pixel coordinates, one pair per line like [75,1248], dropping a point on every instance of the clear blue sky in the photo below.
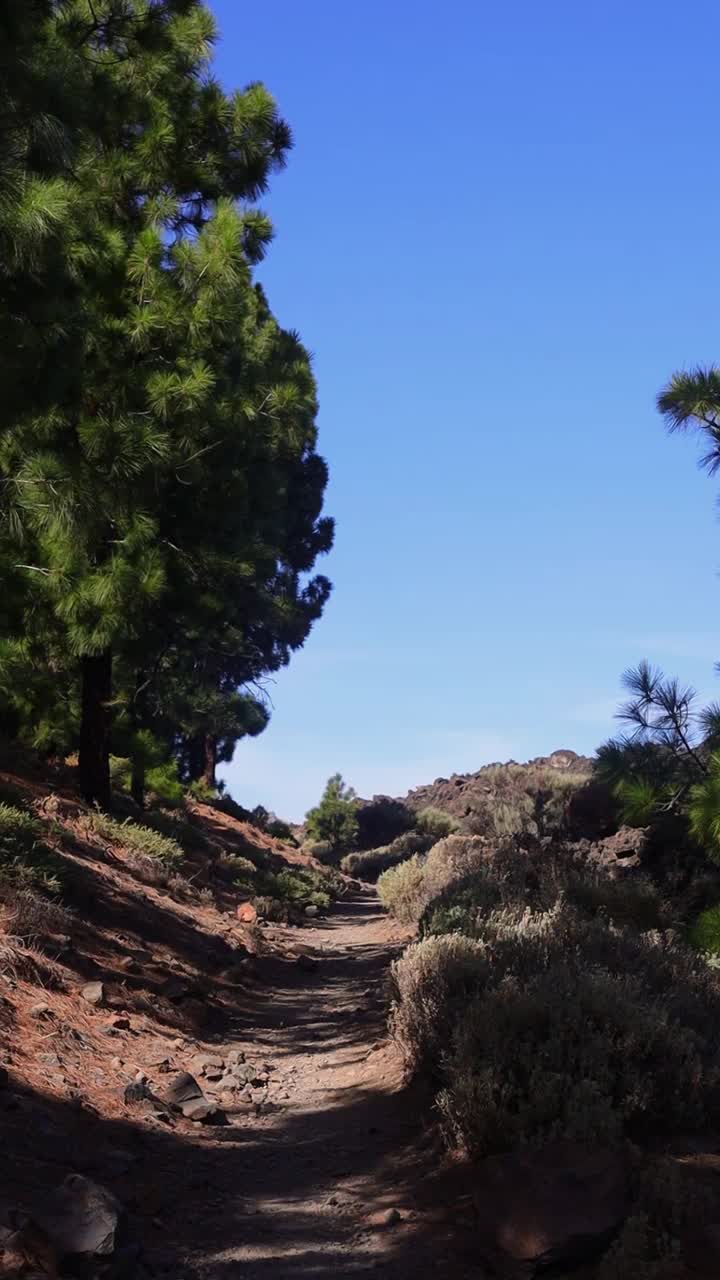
[498,233]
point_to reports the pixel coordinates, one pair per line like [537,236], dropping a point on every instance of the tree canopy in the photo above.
[161,490]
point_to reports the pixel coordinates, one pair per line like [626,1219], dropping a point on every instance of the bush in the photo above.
[400,888]
[381,821]
[536,879]
[24,858]
[407,890]
[322,850]
[204,794]
[669,1203]
[705,932]
[369,865]
[143,841]
[551,1023]
[436,824]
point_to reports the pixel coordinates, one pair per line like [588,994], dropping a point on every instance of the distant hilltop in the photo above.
[463,794]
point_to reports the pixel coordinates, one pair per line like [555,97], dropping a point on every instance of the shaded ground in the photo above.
[296,1187]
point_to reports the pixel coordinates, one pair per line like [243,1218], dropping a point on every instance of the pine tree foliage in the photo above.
[335,818]
[665,757]
[161,492]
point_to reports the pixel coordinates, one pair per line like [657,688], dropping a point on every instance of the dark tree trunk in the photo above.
[195,756]
[137,775]
[208,774]
[137,780]
[94,762]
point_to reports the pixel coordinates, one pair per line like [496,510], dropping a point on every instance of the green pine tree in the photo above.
[335,818]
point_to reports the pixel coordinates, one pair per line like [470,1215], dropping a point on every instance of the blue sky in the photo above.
[498,234]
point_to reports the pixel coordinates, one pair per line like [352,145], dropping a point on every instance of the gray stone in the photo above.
[94,993]
[41,1011]
[208,1065]
[182,1088]
[199,1109]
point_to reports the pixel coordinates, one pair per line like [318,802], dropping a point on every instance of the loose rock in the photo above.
[246,913]
[94,993]
[183,1088]
[199,1109]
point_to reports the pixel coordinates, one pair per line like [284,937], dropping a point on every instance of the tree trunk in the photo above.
[137,717]
[94,763]
[208,775]
[137,780]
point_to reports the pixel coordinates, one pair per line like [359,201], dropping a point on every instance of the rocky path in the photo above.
[328,1182]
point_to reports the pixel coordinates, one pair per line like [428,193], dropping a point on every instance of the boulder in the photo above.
[621,853]
[556,1205]
[312,911]
[182,1088]
[246,913]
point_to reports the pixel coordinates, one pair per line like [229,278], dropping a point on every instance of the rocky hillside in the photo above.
[545,796]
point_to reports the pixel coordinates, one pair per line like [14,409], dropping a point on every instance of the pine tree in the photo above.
[83,473]
[335,819]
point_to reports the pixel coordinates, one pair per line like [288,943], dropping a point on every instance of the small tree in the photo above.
[335,819]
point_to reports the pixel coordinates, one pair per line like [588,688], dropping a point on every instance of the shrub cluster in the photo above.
[369,864]
[407,889]
[556,1006]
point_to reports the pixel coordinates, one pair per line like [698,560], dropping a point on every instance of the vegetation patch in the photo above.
[24,858]
[137,839]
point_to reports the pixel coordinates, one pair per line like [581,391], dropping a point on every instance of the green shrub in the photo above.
[299,887]
[138,839]
[24,858]
[705,932]
[436,824]
[162,779]
[204,794]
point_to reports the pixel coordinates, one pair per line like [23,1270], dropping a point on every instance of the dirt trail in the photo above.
[302,1192]
[295,1188]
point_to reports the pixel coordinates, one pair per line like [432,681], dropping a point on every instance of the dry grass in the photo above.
[28,914]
